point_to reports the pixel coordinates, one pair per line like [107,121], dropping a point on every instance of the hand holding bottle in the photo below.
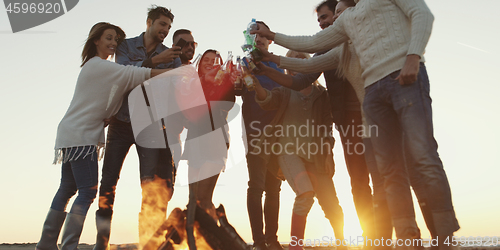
[225,70]
[234,76]
[266,55]
[263,69]
[260,92]
[248,79]
[209,77]
[263,31]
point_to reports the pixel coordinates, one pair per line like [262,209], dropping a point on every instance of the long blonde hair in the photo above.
[345,60]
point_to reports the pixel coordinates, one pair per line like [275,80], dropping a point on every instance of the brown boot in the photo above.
[103,225]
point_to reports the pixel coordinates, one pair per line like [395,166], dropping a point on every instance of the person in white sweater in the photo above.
[80,135]
[389,38]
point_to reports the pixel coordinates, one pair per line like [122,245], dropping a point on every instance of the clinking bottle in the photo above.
[196,61]
[238,83]
[252,26]
[218,59]
[225,70]
[248,79]
[254,52]
[248,62]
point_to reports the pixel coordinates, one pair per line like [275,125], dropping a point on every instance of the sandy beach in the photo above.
[31,246]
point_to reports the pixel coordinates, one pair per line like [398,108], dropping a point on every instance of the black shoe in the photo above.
[260,246]
[274,246]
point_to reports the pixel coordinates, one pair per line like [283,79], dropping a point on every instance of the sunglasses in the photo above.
[192,44]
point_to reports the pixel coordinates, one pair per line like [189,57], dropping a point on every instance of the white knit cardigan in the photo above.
[98,95]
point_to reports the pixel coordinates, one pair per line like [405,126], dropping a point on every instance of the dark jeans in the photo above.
[403,116]
[381,213]
[357,168]
[77,175]
[261,180]
[152,163]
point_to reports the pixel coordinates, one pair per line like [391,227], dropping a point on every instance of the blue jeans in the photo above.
[403,116]
[381,214]
[78,175]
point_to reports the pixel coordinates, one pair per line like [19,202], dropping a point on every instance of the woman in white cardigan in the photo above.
[80,134]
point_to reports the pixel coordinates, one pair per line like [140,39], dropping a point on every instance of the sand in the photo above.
[31,246]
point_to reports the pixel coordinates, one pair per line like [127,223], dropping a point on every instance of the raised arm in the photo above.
[155,72]
[167,56]
[326,39]
[324,62]
[125,77]
[297,82]
[261,94]
[272,100]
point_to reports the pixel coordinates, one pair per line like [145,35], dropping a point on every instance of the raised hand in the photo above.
[266,55]
[210,75]
[167,56]
[234,75]
[264,32]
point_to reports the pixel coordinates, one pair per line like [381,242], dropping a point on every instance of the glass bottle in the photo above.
[223,71]
[248,79]
[238,83]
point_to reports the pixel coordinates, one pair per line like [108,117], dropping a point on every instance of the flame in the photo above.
[153,226]
[201,244]
[155,197]
[182,246]
[103,201]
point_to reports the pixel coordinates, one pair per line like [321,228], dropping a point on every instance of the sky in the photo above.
[39,68]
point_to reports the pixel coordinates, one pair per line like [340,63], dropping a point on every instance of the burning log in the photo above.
[235,237]
[206,230]
[172,228]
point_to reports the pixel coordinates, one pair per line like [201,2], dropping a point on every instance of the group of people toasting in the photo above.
[371,55]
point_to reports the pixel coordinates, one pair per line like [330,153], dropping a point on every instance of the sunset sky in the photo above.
[39,68]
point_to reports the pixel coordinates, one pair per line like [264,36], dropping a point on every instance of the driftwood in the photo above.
[235,238]
[218,237]
[172,228]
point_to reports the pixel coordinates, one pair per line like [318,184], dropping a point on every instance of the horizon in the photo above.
[40,67]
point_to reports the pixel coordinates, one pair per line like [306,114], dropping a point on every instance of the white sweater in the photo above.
[383,33]
[98,95]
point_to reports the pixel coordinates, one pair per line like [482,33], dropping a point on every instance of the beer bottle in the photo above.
[248,78]
[224,69]
[238,84]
